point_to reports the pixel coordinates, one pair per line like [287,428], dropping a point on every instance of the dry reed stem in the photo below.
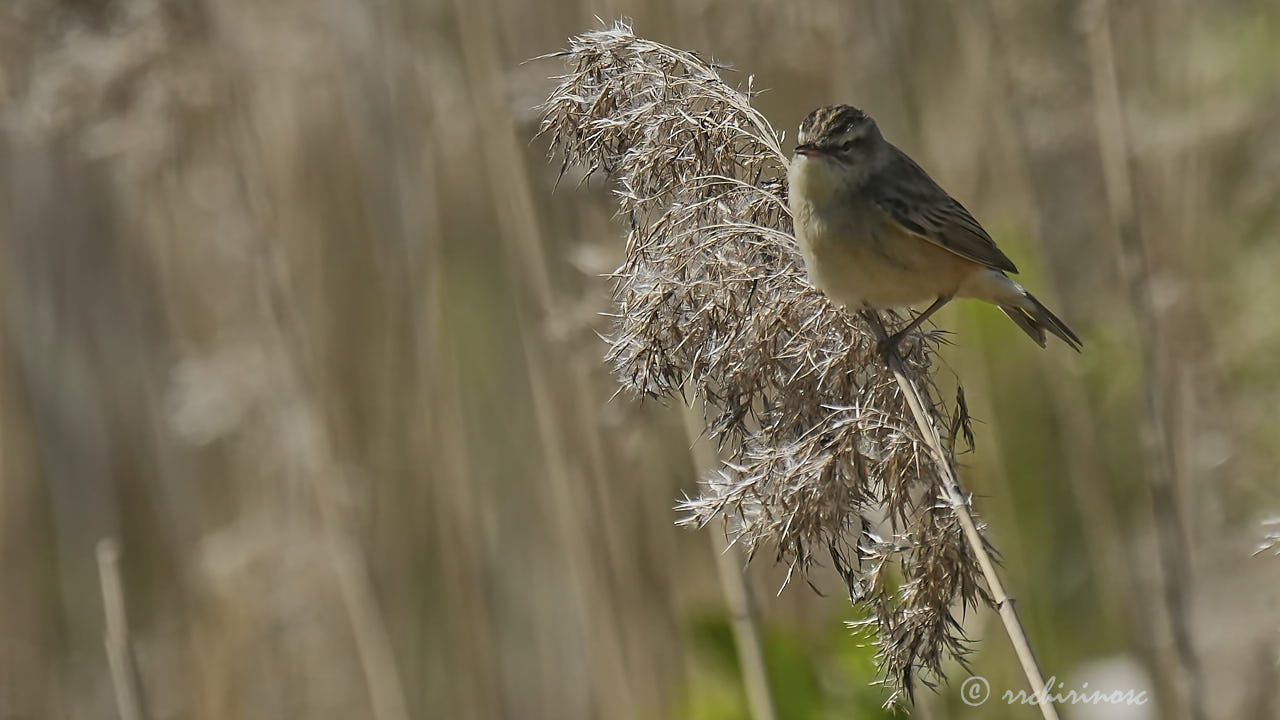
[1270,542]
[456,512]
[743,618]
[120,659]
[827,450]
[526,265]
[328,485]
[959,501]
[1173,551]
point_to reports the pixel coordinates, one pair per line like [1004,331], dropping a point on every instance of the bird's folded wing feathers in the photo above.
[915,202]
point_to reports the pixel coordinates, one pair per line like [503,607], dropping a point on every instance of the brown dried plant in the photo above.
[823,456]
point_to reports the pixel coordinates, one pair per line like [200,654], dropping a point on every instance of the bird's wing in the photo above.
[906,193]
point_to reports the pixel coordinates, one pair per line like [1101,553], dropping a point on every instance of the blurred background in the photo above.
[298,361]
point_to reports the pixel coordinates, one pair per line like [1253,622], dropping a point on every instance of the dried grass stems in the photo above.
[1270,542]
[824,457]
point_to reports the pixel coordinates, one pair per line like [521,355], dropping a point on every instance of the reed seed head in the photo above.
[823,462]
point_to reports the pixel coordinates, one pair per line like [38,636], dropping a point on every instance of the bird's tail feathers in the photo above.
[1034,318]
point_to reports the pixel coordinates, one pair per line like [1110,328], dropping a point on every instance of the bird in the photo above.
[876,232]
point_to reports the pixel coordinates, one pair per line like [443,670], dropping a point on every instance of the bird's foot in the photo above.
[890,345]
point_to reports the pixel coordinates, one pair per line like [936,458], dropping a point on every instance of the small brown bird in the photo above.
[877,232]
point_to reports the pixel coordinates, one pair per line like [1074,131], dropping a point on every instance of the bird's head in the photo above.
[841,133]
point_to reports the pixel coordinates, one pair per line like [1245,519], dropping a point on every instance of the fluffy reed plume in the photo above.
[823,457]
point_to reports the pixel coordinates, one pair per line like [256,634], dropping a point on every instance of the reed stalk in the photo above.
[829,453]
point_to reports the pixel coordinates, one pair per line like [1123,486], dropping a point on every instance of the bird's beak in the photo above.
[808,150]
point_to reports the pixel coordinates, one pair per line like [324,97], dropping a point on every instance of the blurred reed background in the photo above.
[289,310]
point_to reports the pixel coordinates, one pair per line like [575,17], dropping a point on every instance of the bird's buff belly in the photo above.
[878,266]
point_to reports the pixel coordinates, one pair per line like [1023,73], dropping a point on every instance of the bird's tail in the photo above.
[1034,318]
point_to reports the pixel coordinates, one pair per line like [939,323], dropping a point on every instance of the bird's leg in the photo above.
[892,341]
[872,318]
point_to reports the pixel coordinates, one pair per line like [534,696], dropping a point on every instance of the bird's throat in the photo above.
[815,179]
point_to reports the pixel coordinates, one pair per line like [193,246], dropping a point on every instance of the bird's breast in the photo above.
[859,257]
